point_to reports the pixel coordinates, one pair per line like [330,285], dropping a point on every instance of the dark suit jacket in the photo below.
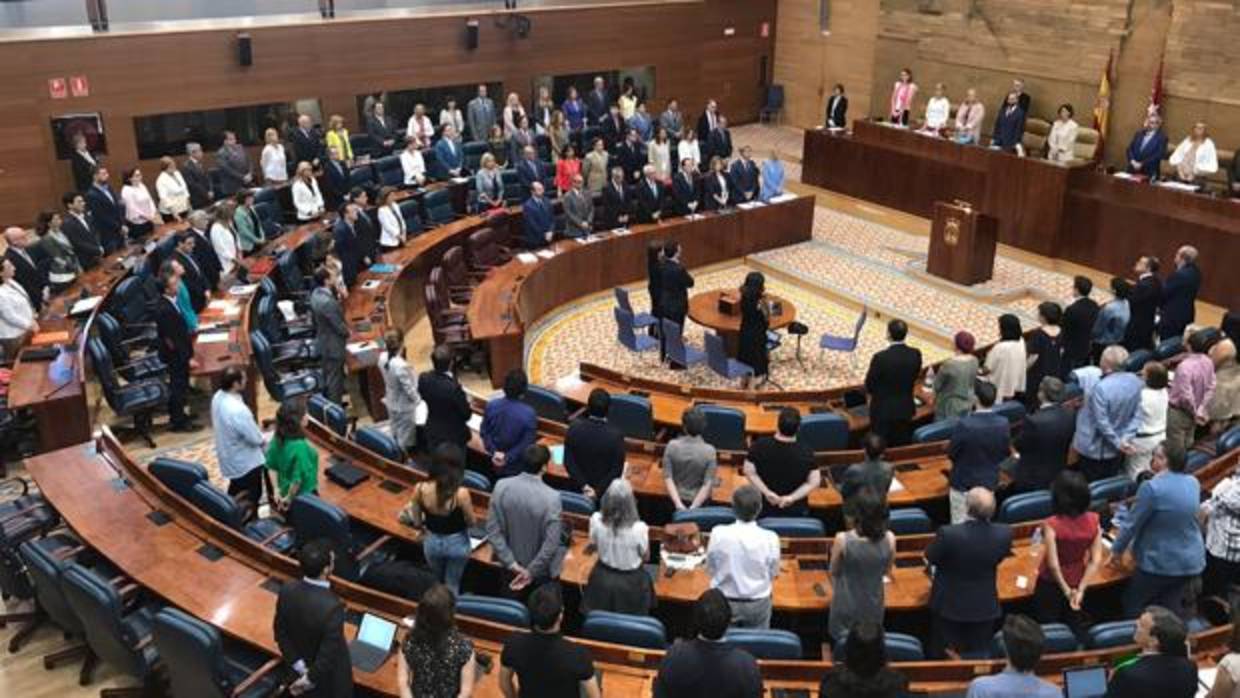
[348,249]
[612,130]
[198,182]
[1179,297]
[593,453]
[84,239]
[208,261]
[447,409]
[83,171]
[1077,326]
[176,347]
[1155,676]
[703,128]
[32,274]
[837,112]
[745,179]
[1045,436]
[367,228]
[309,626]
[979,442]
[889,381]
[529,171]
[1142,305]
[1009,128]
[307,147]
[719,144]
[335,181]
[1150,156]
[616,202]
[380,130]
[632,158]
[538,219]
[713,189]
[107,214]
[965,557]
[648,202]
[597,105]
[195,282]
[684,190]
[674,293]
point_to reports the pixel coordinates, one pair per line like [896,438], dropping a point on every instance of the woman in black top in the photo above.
[754,325]
[864,673]
[1044,349]
[436,660]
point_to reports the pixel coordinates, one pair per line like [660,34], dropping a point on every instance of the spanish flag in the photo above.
[1102,107]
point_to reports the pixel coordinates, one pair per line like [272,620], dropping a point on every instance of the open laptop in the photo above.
[373,643]
[1085,682]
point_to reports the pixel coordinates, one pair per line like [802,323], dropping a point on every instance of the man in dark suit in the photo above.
[964,601]
[348,246]
[1148,148]
[204,251]
[28,264]
[335,179]
[593,449]
[509,426]
[107,212]
[538,219]
[1044,439]
[719,144]
[382,131]
[309,628]
[612,128]
[684,188]
[744,175]
[649,197]
[331,333]
[529,169]
[837,108]
[1178,304]
[307,143]
[889,381]
[1009,127]
[447,407]
[1078,325]
[1162,669]
[631,155]
[597,102]
[1143,305]
[367,226]
[176,350]
[197,181]
[192,277]
[676,282]
[617,201]
[979,443]
[80,230]
[707,123]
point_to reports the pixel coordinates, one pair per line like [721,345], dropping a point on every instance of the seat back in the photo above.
[101,363]
[45,571]
[1086,146]
[492,608]
[716,355]
[475,480]
[824,432]
[624,629]
[379,442]
[111,334]
[316,406]
[180,476]
[860,325]
[765,643]
[1058,638]
[409,210]
[673,341]
[910,521]
[481,250]
[576,503]
[632,415]
[98,605]
[794,526]
[131,306]
[1111,489]
[329,413]
[548,404]
[217,505]
[194,654]
[725,427]
[454,269]
[261,349]
[903,648]
[1138,359]
[706,518]
[269,217]
[362,176]
[312,518]
[622,299]
[1013,410]
[389,171]
[1027,506]
[472,152]
[438,205]
[268,320]
[1229,441]
[624,329]
[1115,633]
[1036,132]
[1168,348]
[935,431]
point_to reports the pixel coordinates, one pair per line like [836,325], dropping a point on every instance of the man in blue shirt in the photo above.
[1109,419]
[1112,320]
[1148,148]
[538,217]
[509,426]
[1022,643]
[238,440]
[979,443]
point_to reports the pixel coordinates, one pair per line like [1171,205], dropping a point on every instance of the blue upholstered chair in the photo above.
[640,320]
[576,503]
[935,431]
[910,521]
[1115,633]
[626,335]
[202,665]
[180,476]
[624,629]
[1058,639]
[549,404]
[1111,489]
[475,480]
[1013,410]
[824,432]
[632,415]
[725,427]
[794,526]
[846,345]
[114,634]
[508,612]
[765,644]
[674,345]
[1027,506]
[380,443]
[719,362]
[706,518]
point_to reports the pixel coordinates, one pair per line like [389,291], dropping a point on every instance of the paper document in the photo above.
[223,306]
[896,486]
[546,254]
[475,422]
[85,305]
[526,258]
[212,337]
[568,382]
[242,289]
[786,196]
[362,347]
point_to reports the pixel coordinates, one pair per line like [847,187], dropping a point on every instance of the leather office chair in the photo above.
[131,306]
[495,609]
[446,328]
[935,431]
[723,365]
[282,386]
[139,399]
[363,177]
[576,503]
[1086,147]
[632,415]
[1027,506]
[270,218]
[765,644]
[485,251]
[1037,131]
[292,282]
[270,532]
[45,560]
[286,352]
[180,476]
[706,518]
[355,550]
[457,296]
[411,210]
[456,271]
[674,346]
[626,335]
[475,480]
[547,403]
[623,301]
[725,427]
[794,526]
[116,635]
[266,195]
[389,171]
[1195,461]
[438,207]
[773,105]
[624,629]
[823,432]
[1058,639]
[380,443]
[472,153]
[362,144]
[903,648]
[1115,633]
[1111,489]
[910,521]
[1168,348]
[1138,359]
[514,191]
[132,366]
[330,414]
[201,665]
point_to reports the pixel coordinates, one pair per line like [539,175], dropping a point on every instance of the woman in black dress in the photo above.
[754,324]
[1044,349]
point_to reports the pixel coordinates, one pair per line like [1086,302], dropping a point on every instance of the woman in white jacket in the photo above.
[170,186]
[1061,143]
[400,386]
[1195,156]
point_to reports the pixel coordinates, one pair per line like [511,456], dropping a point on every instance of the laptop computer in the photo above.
[1085,682]
[346,474]
[373,643]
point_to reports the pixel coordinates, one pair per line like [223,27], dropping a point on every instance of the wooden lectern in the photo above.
[962,243]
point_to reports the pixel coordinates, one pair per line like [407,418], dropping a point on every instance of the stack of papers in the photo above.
[546,254]
[1178,186]
[786,196]
[85,305]
[212,337]
[242,289]
[682,561]
[526,258]
[226,307]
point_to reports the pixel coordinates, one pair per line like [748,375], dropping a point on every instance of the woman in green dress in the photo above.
[290,455]
[953,383]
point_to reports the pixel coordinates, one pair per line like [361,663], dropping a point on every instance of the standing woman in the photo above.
[567,167]
[1195,156]
[307,199]
[489,183]
[451,115]
[902,95]
[557,133]
[273,159]
[1043,350]
[436,660]
[442,508]
[224,237]
[618,583]
[83,162]
[660,153]
[392,230]
[1061,143]
[1152,420]
[497,145]
[716,185]
[595,168]
[627,102]
[140,213]
[290,455]
[859,559]
[654,280]
[513,111]
[400,391]
[689,149]
[772,177]
[1073,555]
[755,322]
[953,382]
[543,109]
[171,189]
[338,137]
[1005,362]
[62,262]
[574,110]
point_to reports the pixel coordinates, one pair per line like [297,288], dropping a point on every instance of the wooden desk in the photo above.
[704,310]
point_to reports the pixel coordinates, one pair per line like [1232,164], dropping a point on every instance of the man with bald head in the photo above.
[578,210]
[1108,421]
[1177,307]
[964,600]
[27,265]
[1224,408]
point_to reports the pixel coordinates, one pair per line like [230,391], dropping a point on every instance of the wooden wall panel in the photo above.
[140,74]
[808,63]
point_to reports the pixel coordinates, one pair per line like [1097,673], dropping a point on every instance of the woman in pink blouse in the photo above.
[140,213]
[902,96]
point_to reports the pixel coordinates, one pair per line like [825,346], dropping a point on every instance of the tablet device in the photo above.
[1086,682]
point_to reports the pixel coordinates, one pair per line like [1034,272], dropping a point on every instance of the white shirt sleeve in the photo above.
[413,166]
[225,246]
[307,199]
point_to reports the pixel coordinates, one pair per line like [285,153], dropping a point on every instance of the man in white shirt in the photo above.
[238,440]
[412,164]
[743,561]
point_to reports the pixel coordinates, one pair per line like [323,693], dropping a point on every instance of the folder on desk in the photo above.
[44,339]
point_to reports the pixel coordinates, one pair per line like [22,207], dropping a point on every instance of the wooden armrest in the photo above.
[253,678]
[576,413]
[373,546]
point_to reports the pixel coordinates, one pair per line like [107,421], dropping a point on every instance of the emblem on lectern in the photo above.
[951,231]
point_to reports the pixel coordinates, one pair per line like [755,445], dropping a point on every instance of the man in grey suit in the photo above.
[578,210]
[331,333]
[481,115]
[524,527]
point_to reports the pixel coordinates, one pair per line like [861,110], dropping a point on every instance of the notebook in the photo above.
[373,643]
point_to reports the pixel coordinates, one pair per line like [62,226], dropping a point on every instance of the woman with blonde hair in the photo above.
[171,189]
[273,159]
[618,583]
[489,182]
[338,137]
[513,111]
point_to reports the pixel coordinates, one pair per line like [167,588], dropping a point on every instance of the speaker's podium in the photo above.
[962,243]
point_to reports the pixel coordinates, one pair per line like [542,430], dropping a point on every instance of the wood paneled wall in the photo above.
[141,74]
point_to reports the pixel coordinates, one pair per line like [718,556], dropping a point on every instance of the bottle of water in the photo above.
[1036,542]
[929,383]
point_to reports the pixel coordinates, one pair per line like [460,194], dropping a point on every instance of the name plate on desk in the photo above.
[527,258]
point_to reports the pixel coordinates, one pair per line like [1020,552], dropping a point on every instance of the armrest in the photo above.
[22,512]
[128,591]
[66,553]
[370,549]
[576,413]
[253,678]
[271,538]
[131,364]
[462,289]
[146,640]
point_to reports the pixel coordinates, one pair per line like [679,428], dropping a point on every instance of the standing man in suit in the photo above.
[309,628]
[720,142]
[889,381]
[979,443]
[671,120]
[348,246]
[381,129]
[1143,305]
[1009,127]
[107,211]
[28,265]
[1045,437]
[307,143]
[631,155]
[176,350]
[578,210]
[612,128]
[744,174]
[649,197]
[597,102]
[197,180]
[1023,100]
[1178,304]
[529,169]
[331,333]
[593,449]
[234,166]
[1077,325]
[509,426]
[449,152]
[964,600]
[708,122]
[366,226]
[481,115]
[335,179]
[204,251]
[80,230]
[538,218]
[1148,148]
[676,282]
[685,195]
[524,526]
[837,108]
[192,276]
[617,202]
[447,407]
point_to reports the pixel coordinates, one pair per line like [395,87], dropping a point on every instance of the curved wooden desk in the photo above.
[704,310]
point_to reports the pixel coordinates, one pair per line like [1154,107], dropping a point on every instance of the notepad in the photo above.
[212,337]
[242,289]
[896,486]
[223,306]
[475,422]
[568,381]
[546,254]
[85,305]
[526,258]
